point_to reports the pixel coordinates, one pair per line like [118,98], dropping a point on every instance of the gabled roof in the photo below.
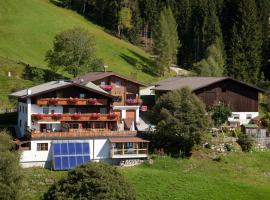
[55,85]
[194,83]
[94,76]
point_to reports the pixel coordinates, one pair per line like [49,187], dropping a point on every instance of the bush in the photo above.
[10,170]
[92,181]
[245,142]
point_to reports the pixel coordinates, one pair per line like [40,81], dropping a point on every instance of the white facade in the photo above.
[99,150]
[242,117]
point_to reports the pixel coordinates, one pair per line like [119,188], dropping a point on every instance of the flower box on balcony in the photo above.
[111,116]
[37,117]
[56,117]
[75,116]
[72,100]
[132,101]
[92,101]
[95,116]
[106,87]
[52,101]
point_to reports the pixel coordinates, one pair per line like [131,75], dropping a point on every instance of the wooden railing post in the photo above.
[137,148]
[123,151]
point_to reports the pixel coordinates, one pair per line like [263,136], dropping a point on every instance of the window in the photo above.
[74,126]
[72,110]
[236,116]
[103,110]
[20,123]
[42,146]
[20,108]
[102,83]
[82,96]
[118,83]
[23,109]
[52,111]
[130,145]
[45,110]
[249,116]
[99,125]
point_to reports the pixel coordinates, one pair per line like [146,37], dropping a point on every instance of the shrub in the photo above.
[10,170]
[245,142]
[92,181]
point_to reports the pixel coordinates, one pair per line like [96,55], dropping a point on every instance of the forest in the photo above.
[214,37]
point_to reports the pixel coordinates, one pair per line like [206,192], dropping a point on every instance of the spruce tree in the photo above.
[244,51]
[166,41]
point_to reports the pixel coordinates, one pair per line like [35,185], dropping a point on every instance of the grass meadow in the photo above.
[237,176]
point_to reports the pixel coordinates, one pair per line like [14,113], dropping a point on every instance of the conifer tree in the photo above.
[244,51]
[166,41]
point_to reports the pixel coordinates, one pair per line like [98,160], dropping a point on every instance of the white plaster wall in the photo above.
[37,156]
[22,115]
[243,117]
[99,150]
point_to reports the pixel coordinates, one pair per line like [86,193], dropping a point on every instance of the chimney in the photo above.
[105,68]
[28,92]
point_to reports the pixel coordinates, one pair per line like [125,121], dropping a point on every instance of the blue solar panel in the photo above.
[64,149]
[67,155]
[56,149]
[78,148]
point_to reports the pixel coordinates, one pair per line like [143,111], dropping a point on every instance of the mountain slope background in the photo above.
[27,29]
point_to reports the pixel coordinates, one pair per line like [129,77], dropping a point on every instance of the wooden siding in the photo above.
[126,88]
[239,97]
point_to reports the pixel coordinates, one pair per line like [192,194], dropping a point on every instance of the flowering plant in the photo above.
[106,87]
[92,101]
[72,100]
[56,116]
[37,117]
[76,116]
[95,116]
[111,115]
[53,101]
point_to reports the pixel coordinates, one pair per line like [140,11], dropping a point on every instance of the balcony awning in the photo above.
[127,139]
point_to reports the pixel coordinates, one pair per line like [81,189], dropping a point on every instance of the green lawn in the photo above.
[27,29]
[237,176]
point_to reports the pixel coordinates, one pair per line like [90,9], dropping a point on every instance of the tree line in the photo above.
[215,37]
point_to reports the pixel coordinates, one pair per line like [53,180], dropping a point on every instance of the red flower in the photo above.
[106,87]
[37,117]
[72,100]
[56,116]
[53,101]
[95,116]
[111,115]
[92,101]
[75,116]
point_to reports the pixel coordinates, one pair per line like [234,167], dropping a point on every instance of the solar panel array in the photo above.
[67,155]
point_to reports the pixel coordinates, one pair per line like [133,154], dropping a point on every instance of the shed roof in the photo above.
[93,76]
[252,126]
[127,139]
[194,83]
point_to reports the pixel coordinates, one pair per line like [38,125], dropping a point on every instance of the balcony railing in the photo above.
[71,101]
[82,134]
[74,117]
[120,153]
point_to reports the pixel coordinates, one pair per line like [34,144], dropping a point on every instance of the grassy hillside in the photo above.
[29,26]
[237,176]
[27,29]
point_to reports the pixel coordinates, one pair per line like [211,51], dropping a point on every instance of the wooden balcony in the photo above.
[71,101]
[82,134]
[74,117]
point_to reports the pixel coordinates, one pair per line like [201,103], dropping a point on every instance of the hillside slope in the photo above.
[27,29]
